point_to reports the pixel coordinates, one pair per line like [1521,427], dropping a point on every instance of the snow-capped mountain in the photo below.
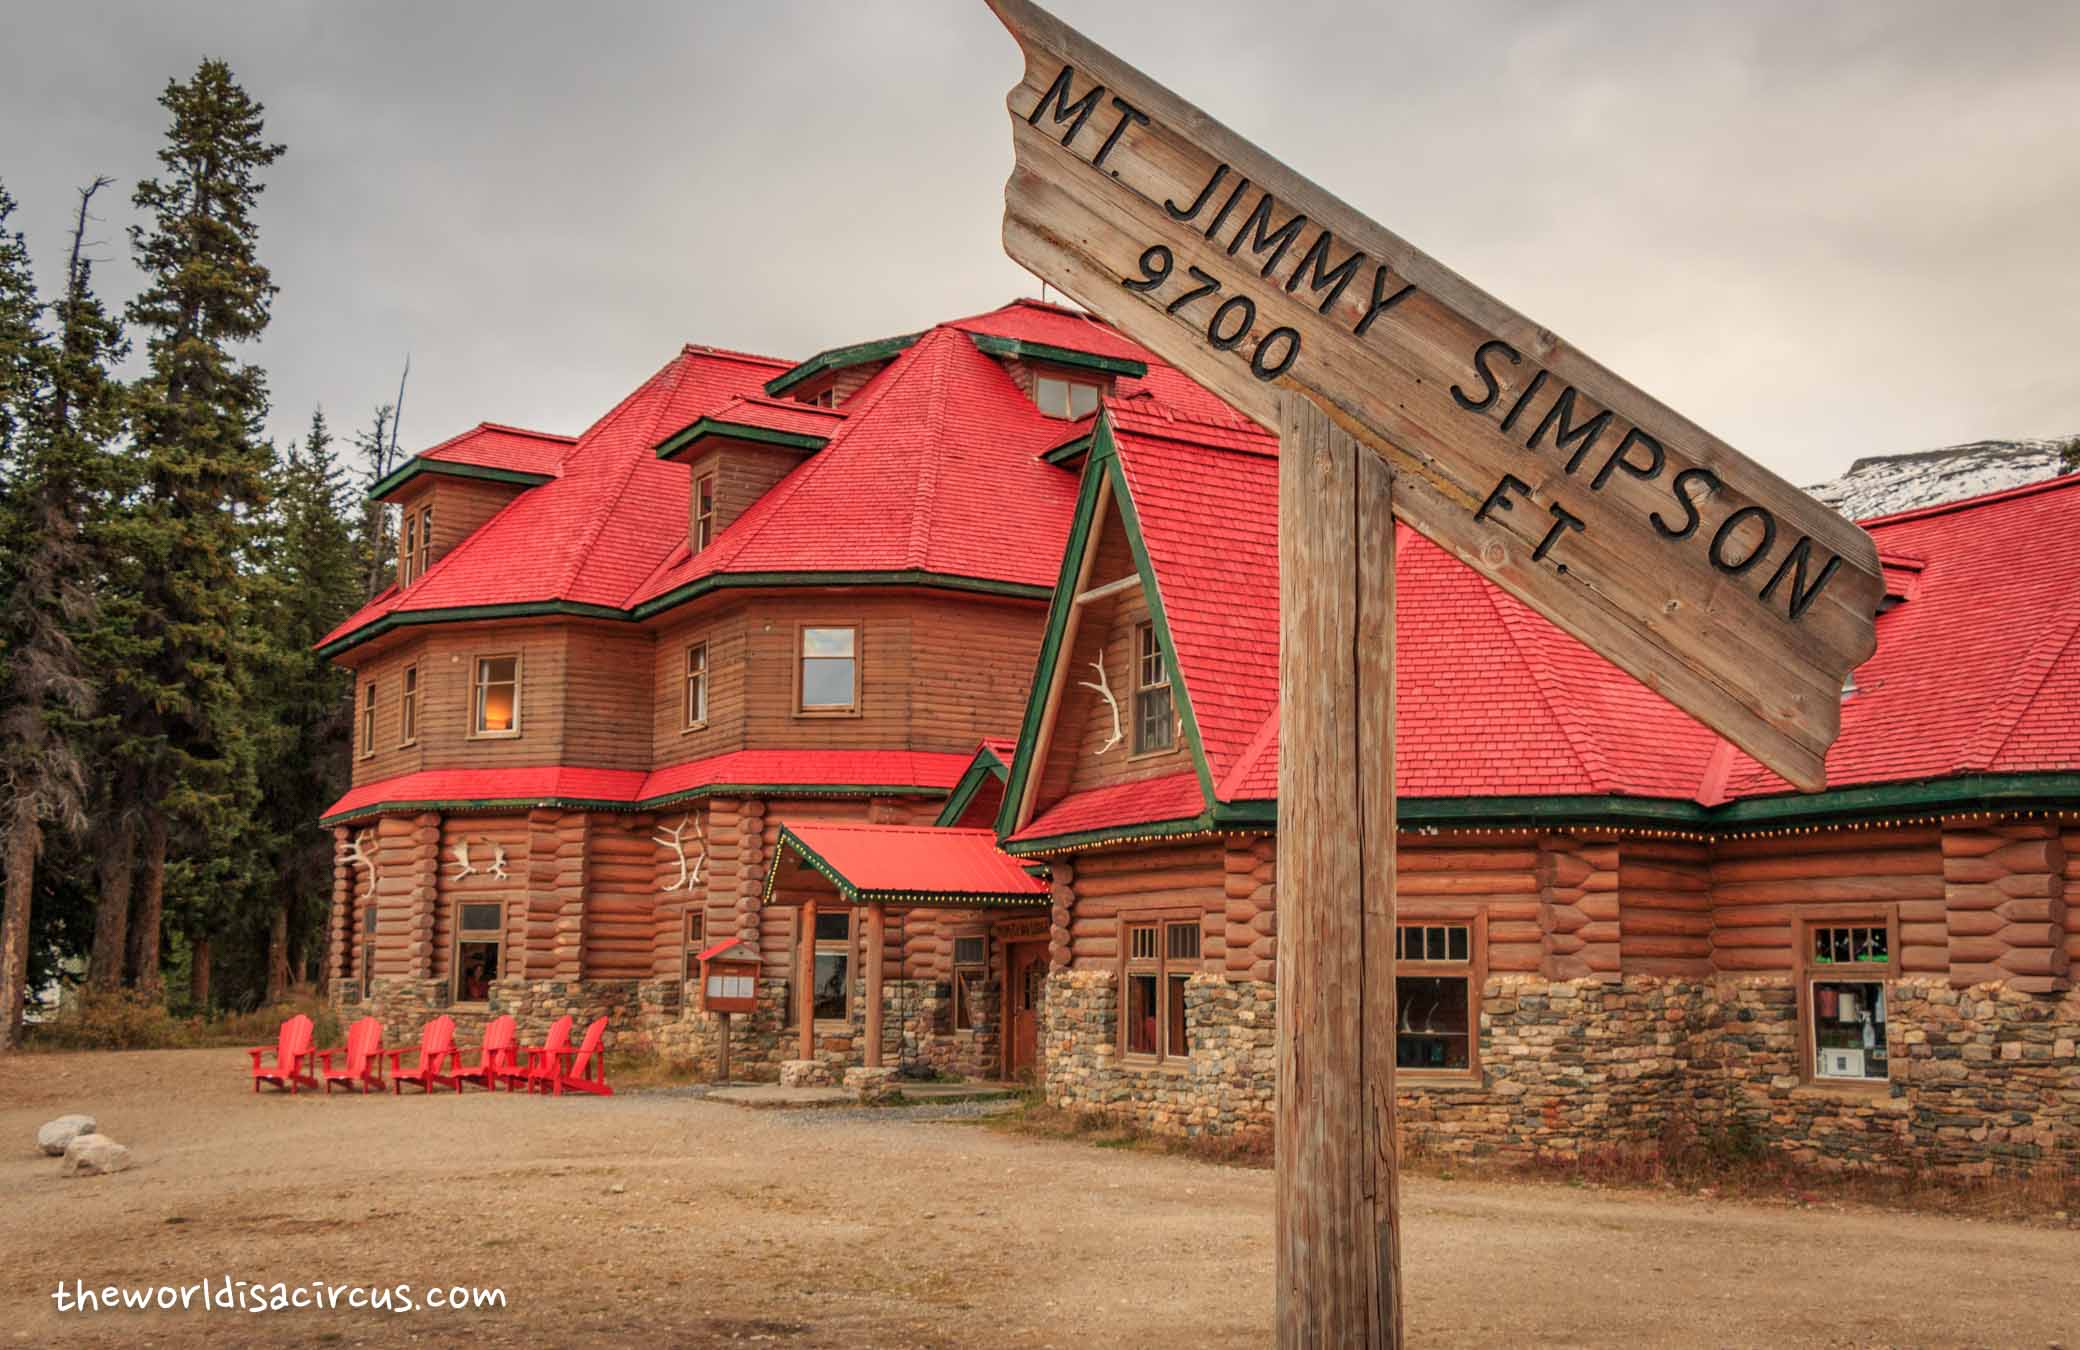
[1879,485]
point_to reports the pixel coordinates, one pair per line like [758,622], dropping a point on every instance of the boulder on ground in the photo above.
[92,1154]
[873,1086]
[56,1134]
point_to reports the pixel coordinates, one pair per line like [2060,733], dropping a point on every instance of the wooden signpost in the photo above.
[1402,390]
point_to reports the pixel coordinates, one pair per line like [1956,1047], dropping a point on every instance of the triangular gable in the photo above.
[981,786]
[1104,505]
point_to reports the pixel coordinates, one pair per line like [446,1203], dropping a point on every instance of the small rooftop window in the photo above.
[1070,399]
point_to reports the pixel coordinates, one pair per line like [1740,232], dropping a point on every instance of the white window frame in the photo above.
[476,698]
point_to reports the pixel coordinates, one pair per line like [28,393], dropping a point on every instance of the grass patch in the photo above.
[125,1020]
[1733,1162]
[1034,1118]
[634,1068]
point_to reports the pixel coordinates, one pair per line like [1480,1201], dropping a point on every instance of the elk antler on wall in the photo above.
[364,855]
[1104,687]
[463,867]
[674,837]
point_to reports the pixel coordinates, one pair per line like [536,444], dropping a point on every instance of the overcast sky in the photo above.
[1822,231]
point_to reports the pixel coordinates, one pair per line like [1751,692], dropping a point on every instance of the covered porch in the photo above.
[933,930]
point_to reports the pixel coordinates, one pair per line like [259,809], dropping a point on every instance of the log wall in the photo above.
[1665,891]
[1759,885]
[485,835]
[2004,892]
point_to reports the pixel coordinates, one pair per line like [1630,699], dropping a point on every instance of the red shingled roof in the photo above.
[772,414]
[1974,673]
[918,859]
[493,446]
[806,769]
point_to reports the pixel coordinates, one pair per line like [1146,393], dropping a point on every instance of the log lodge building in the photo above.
[934,680]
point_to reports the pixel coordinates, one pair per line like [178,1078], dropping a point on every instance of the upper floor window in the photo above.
[828,681]
[703,511]
[826,397]
[1059,397]
[425,538]
[697,685]
[1155,722]
[408,708]
[497,702]
[368,719]
[408,566]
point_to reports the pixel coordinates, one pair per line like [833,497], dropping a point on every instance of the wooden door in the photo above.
[1025,992]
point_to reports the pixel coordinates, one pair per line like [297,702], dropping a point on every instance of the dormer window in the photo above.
[826,397]
[411,549]
[1057,396]
[703,511]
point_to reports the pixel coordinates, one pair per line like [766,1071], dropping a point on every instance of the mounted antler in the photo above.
[363,854]
[1104,687]
[463,867]
[674,837]
[498,860]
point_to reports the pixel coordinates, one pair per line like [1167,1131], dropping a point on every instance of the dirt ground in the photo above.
[657,1218]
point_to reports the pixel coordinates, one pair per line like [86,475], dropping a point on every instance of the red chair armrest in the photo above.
[325,1057]
[396,1058]
[256,1052]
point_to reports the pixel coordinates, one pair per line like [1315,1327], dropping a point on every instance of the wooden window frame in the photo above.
[848,947]
[964,971]
[695,718]
[1474,970]
[1164,967]
[474,936]
[693,930]
[703,519]
[408,550]
[1068,413]
[859,667]
[366,945]
[476,697]
[1806,972]
[408,707]
[425,538]
[1147,628]
[368,718]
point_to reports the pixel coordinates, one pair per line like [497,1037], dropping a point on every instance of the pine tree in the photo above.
[313,581]
[61,479]
[185,723]
[377,539]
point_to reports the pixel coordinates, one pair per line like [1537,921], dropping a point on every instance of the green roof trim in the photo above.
[644,804]
[1019,349]
[985,766]
[858,896]
[839,358]
[449,468]
[1069,450]
[534,609]
[910,577]
[683,440]
[1967,792]
[1155,829]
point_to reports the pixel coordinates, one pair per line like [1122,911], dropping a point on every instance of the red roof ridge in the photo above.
[2064,480]
[1246,758]
[1718,768]
[784,404]
[2024,682]
[1541,680]
[886,827]
[581,554]
[1140,421]
[928,464]
[732,354]
[524,431]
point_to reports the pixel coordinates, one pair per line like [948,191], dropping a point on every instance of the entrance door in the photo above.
[1027,989]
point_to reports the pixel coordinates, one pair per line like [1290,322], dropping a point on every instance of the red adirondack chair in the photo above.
[526,1071]
[588,1056]
[292,1058]
[364,1058]
[436,1046]
[495,1057]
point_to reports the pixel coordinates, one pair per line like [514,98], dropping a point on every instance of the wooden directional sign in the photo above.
[1698,571]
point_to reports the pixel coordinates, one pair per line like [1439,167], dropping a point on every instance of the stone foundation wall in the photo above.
[1226,1085]
[1984,1079]
[633,1008]
[916,1030]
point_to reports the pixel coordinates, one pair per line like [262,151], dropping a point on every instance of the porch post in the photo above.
[877,924]
[1338,1253]
[805,998]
